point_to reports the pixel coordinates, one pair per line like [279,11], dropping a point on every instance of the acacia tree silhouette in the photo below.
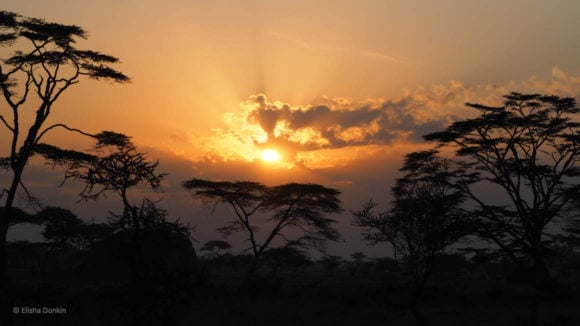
[291,206]
[118,167]
[215,247]
[62,227]
[44,66]
[529,149]
[425,219]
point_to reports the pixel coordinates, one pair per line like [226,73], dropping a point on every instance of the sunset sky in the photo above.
[336,92]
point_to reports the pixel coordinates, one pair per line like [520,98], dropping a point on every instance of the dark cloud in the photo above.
[344,124]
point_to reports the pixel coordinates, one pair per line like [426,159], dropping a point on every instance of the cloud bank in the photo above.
[339,126]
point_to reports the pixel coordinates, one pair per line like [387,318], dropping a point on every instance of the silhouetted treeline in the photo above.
[453,251]
[460,257]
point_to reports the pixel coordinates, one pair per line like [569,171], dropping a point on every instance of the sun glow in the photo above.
[270,155]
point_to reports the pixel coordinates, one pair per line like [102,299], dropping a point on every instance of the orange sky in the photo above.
[341,89]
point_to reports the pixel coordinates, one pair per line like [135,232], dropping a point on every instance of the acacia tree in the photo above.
[62,227]
[117,167]
[294,207]
[65,230]
[157,252]
[215,247]
[358,259]
[424,220]
[528,149]
[44,65]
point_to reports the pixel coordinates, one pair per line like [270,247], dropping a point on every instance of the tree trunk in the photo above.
[419,282]
[249,275]
[5,310]
[3,253]
[137,284]
[540,273]
[541,280]
[419,317]
[535,309]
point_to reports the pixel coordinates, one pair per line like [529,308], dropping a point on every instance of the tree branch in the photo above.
[6,123]
[62,125]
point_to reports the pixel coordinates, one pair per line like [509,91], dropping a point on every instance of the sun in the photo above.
[270,155]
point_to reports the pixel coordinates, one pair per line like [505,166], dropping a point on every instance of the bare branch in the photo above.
[62,125]
[6,123]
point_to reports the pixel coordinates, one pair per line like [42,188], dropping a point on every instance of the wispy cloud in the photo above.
[322,47]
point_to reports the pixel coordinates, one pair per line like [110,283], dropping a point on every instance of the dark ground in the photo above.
[371,293]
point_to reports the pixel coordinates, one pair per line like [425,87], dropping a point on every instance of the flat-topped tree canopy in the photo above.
[51,46]
[300,207]
[44,62]
[529,149]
